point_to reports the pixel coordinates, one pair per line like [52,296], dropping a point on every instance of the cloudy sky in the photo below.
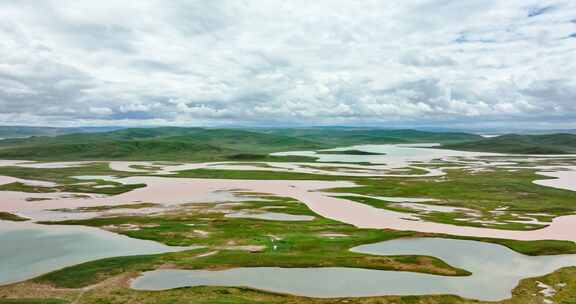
[288,62]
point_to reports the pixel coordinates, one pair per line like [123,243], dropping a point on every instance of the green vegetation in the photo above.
[504,222]
[200,144]
[108,207]
[533,248]
[454,217]
[378,203]
[255,175]
[343,136]
[63,177]
[349,152]
[521,144]
[269,158]
[196,144]
[78,187]
[5,216]
[237,242]
[32,301]
[483,191]
[90,273]
[116,291]
[563,281]
[26,131]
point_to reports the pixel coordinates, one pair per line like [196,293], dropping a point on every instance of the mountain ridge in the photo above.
[204,144]
[559,143]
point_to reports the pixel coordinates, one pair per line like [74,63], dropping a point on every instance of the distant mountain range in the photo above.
[202,144]
[562,143]
[26,131]
[338,137]
[208,144]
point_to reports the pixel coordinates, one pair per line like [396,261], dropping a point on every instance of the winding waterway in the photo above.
[29,249]
[496,270]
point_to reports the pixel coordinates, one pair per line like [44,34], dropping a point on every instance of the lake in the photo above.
[29,250]
[496,271]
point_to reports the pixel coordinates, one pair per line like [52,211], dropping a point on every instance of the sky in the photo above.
[448,63]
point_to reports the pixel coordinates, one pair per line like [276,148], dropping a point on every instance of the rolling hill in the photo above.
[358,136]
[26,131]
[195,144]
[204,144]
[562,143]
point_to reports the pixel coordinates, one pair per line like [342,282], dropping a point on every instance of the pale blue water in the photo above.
[496,271]
[393,154]
[28,250]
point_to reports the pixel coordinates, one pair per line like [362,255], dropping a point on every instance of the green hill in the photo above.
[358,136]
[204,144]
[521,144]
[153,144]
[25,131]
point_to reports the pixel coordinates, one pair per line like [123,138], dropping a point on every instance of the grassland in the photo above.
[252,175]
[200,144]
[237,242]
[349,152]
[32,301]
[482,191]
[521,144]
[26,131]
[340,137]
[115,291]
[6,216]
[64,178]
[61,175]
[191,144]
[456,217]
[533,248]
[108,207]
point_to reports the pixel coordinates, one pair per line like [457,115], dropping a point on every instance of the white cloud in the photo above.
[302,62]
